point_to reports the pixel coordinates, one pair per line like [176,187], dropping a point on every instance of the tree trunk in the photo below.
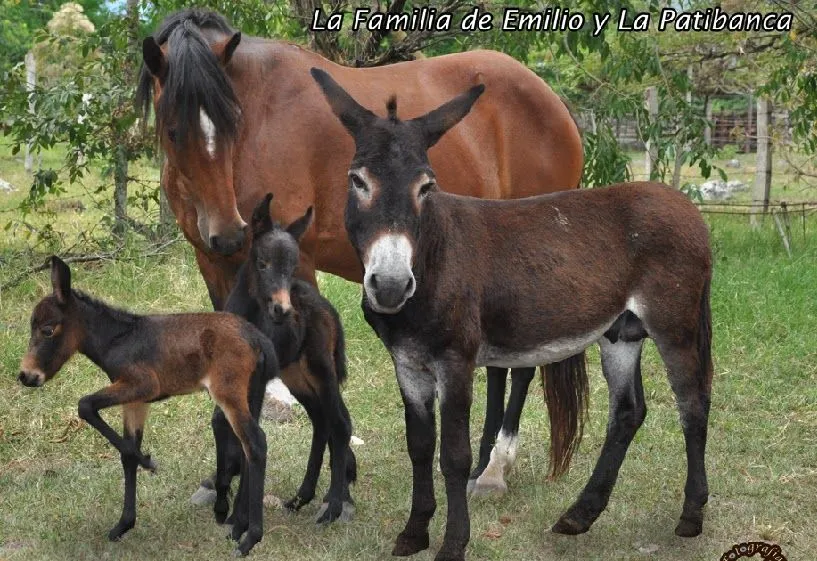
[763,174]
[120,196]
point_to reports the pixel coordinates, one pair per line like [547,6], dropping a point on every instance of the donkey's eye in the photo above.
[357,182]
[426,188]
[262,265]
[47,330]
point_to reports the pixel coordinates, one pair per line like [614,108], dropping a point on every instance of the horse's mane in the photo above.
[195,79]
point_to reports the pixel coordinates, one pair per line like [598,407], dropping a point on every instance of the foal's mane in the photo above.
[117,314]
[195,79]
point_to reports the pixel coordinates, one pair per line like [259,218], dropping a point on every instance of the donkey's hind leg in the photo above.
[692,387]
[503,454]
[621,365]
[133,416]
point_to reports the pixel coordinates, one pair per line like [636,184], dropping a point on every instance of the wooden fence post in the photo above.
[763,175]
[747,147]
[708,127]
[651,104]
[31,82]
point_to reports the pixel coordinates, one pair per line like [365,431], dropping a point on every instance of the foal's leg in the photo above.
[692,388]
[306,492]
[133,416]
[621,365]
[340,432]
[248,510]
[417,388]
[222,434]
[455,383]
[503,454]
[130,387]
[494,411]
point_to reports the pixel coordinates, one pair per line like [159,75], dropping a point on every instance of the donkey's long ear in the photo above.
[154,57]
[297,228]
[261,220]
[224,49]
[435,124]
[353,115]
[60,280]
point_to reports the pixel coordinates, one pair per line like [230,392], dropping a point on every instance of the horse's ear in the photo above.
[60,280]
[435,124]
[353,115]
[261,220]
[297,228]
[154,57]
[224,49]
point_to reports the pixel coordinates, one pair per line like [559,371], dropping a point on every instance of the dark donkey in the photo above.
[149,358]
[454,282]
[307,332]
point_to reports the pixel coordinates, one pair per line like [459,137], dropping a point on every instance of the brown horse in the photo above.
[238,116]
[455,282]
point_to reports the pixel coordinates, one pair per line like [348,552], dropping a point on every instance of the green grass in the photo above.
[61,483]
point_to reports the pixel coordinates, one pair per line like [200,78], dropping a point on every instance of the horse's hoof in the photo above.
[406,545]
[485,486]
[203,497]
[569,527]
[689,528]
[147,463]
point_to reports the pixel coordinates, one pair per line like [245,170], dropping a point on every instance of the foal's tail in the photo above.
[705,368]
[566,393]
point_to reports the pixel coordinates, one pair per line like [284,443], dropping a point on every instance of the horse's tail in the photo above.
[566,392]
[705,368]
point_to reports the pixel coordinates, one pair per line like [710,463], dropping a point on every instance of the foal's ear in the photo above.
[353,115]
[224,49]
[261,219]
[297,228]
[154,57]
[434,124]
[60,280]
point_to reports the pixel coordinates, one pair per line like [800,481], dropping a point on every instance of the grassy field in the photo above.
[60,482]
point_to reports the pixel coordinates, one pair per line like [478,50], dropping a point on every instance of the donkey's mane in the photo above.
[195,79]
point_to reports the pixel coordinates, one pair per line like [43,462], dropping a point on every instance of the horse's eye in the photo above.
[171,134]
[47,330]
[357,182]
[426,188]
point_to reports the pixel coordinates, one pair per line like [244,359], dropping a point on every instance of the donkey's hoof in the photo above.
[569,527]
[406,545]
[120,530]
[689,528]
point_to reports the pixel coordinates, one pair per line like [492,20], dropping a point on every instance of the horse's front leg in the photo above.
[454,386]
[417,388]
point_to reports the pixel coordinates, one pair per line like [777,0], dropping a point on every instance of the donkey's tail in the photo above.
[566,393]
[705,368]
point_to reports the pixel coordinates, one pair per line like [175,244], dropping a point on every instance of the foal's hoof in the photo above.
[689,528]
[147,463]
[569,527]
[249,541]
[120,530]
[406,545]
[330,512]
[450,556]
[295,503]
[238,530]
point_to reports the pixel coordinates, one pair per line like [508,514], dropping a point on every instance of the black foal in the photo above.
[150,358]
[308,339]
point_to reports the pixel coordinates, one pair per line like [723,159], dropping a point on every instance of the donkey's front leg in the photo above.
[454,386]
[417,388]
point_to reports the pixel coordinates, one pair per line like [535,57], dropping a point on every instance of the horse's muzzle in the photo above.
[228,244]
